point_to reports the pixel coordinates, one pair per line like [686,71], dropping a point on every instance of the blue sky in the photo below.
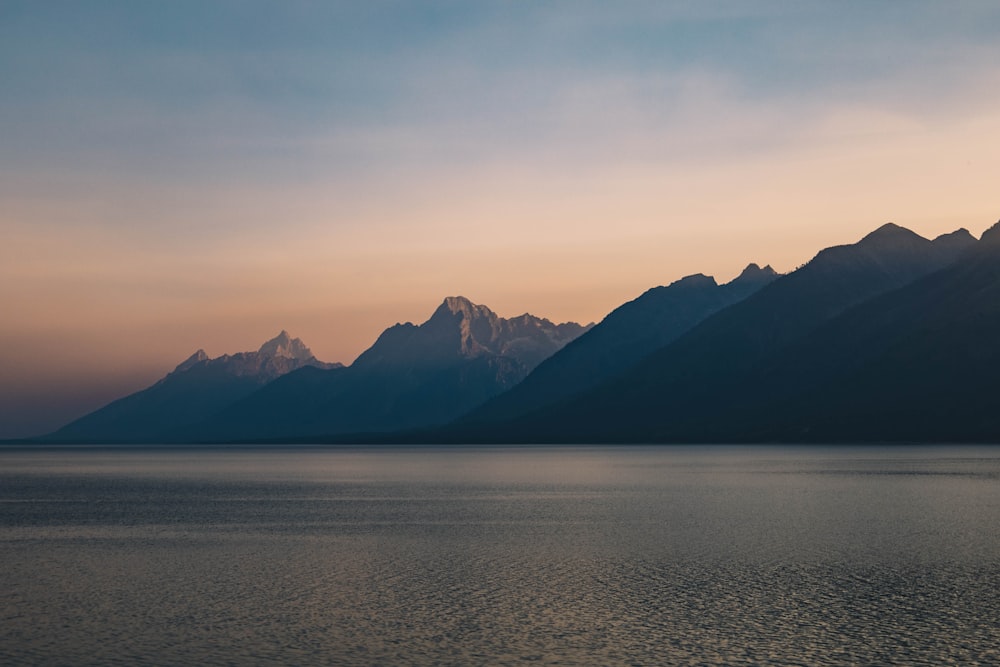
[243,90]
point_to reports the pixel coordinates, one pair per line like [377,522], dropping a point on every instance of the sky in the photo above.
[183,175]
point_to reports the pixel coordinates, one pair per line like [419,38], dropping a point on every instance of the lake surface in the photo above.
[500,556]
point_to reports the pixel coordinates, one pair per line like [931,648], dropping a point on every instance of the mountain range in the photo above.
[194,391]
[621,339]
[412,376]
[728,378]
[891,338]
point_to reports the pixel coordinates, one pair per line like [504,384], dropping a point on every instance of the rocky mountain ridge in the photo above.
[627,334]
[275,357]
[713,383]
[197,388]
[889,337]
[461,329]
[412,376]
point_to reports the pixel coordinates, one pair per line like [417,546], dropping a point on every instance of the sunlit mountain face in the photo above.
[413,376]
[195,390]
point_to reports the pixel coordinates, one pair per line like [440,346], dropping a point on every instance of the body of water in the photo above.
[500,556]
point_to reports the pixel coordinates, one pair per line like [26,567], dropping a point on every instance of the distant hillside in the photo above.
[917,364]
[625,336]
[892,338]
[688,389]
[412,376]
[195,390]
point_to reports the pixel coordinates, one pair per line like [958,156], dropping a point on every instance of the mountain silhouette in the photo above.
[625,336]
[916,364]
[197,388]
[678,391]
[411,376]
[892,338]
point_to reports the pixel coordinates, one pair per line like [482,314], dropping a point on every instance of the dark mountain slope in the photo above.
[196,389]
[672,393]
[412,376]
[625,336]
[917,364]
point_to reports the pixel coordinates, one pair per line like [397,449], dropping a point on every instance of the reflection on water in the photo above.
[500,556]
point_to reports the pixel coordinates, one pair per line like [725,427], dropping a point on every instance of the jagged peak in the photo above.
[455,305]
[459,328]
[194,359]
[753,271]
[528,318]
[283,345]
